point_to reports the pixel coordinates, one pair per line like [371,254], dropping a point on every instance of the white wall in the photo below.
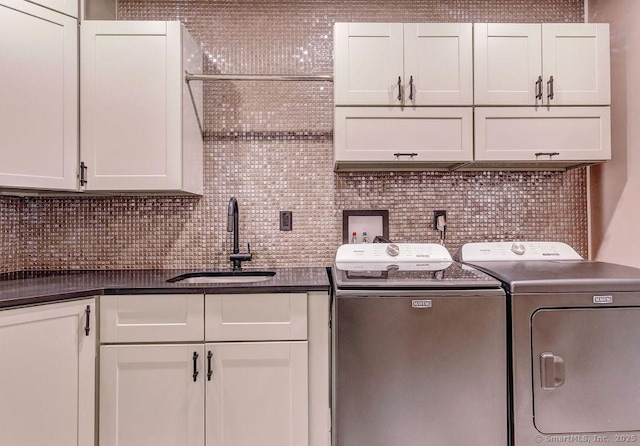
[615,185]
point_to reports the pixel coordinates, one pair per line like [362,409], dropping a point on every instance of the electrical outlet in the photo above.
[437,214]
[286,220]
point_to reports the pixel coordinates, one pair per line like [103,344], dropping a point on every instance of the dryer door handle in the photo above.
[551,371]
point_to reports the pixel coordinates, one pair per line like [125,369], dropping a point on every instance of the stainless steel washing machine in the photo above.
[419,349]
[574,341]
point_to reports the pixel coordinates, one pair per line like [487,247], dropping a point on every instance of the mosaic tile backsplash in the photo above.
[270,145]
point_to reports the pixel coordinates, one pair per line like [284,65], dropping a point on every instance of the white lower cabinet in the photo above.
[47,390]
[246,382]
[240,394]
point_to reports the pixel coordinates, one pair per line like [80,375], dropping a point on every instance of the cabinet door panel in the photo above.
[518,134]
[577,56]
[258,394]
[507,63]
[368,62]
[148,395]
[39,91]
[439,58]
[377,134]
[152,318]
[48,375]
[131,69]
[256,317]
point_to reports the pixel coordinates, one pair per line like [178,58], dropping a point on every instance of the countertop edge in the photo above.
[31,292]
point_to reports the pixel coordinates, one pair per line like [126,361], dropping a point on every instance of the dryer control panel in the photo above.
[516,251]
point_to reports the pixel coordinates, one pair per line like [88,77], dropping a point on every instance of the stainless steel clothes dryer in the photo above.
[574,342]
[419,349]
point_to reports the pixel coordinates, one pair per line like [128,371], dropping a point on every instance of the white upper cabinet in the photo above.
[139,130]
[438,64]
[403,64]
[38,97]
[368,63]
[542,137]
[548,64]
[371,138]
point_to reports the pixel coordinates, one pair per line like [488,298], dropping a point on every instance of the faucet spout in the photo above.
[233,225]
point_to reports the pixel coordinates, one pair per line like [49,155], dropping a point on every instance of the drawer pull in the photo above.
[549,154]
[399,154]
[399,88]
[195,366]
[209,369]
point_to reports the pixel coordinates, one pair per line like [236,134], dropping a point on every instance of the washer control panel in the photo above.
[516,251]
[383,256]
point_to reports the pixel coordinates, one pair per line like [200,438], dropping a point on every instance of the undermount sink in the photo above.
[223,277]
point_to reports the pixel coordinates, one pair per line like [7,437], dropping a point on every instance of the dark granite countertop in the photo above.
[34,287]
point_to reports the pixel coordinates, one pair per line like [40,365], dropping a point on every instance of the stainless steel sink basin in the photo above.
[205,277]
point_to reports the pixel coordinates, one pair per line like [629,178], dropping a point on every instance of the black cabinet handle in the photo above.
[399,154]
[87,322]
[411,88]
[549,154]
[550,88]
[209,369]
[83,174]
[539,88]
[195,366]
[399,88]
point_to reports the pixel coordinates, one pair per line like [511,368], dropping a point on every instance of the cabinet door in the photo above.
[543,135]
[438,61]
[577,56]
[368,62]
[393,136]
[507,63]
[148,395]
[131,81]
[258,394]
[39,95]
[48,375]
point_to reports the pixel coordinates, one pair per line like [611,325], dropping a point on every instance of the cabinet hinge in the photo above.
[83,174]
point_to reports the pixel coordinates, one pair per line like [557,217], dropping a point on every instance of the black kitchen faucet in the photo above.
[233,226]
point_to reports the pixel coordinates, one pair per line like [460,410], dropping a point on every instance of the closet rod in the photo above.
[257,77]
[188,77]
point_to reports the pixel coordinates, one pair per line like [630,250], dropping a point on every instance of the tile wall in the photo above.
[270,145]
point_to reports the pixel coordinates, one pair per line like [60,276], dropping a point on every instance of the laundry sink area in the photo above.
[204,277]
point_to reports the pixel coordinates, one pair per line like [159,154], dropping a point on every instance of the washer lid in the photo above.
[515,252]
[404,265]
[547,267]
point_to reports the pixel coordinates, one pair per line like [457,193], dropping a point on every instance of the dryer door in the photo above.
[586,370]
